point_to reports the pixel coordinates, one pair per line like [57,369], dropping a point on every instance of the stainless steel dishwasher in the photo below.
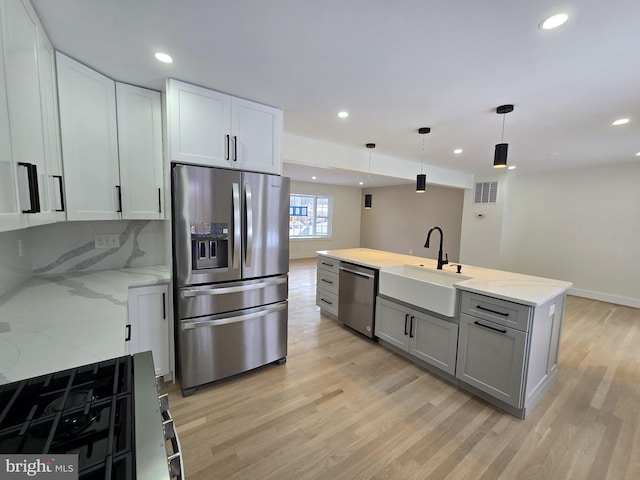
[357,297]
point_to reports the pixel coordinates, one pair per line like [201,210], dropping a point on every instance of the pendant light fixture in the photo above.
[500,155]
[368,197]
[421,180]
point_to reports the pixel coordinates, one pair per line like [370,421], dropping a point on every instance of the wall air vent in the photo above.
[486,192]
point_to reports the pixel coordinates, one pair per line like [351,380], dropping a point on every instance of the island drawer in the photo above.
[327,301]
[328,281]
[326,263]
[502,312]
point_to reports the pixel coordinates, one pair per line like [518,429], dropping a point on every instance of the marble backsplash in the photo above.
[70,247]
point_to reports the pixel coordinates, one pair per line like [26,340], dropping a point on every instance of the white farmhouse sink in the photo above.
[423,287]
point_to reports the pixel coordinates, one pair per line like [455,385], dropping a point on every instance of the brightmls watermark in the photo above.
[50,467]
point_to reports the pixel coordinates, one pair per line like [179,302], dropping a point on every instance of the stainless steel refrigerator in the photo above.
[230,271]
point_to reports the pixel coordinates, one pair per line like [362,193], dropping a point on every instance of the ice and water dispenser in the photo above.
[209,245]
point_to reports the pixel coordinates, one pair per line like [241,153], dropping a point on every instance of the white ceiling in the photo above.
[395,66]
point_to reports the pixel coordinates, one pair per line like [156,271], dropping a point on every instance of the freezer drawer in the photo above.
[204,300]
[218,346]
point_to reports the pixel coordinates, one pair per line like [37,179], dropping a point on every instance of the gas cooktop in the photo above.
[89,411]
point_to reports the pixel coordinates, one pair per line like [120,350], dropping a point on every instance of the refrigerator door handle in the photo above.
[249,228]
[237,226]
[225,290]
[191,324]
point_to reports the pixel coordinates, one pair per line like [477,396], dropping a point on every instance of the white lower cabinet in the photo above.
[327,286]
[149,325]
[426,337]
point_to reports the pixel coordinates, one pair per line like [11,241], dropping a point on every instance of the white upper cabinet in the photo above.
[10,213]
[53,154]
[211,128]
[20,32]
[257,136]
[140,148]
[199,124]
[89,141]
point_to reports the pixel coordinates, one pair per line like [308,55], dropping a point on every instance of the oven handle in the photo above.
[238,289]
[174,461]
[191,324]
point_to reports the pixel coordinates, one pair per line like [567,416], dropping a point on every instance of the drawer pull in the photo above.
[326,301]
[490,328]
[327,281]
[492,311]
[327,264]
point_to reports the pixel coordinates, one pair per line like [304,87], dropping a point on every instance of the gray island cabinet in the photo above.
[501,345]
[508,352]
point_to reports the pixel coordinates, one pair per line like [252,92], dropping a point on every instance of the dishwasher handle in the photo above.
[360,274]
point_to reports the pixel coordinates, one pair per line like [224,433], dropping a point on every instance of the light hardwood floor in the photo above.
[343,407]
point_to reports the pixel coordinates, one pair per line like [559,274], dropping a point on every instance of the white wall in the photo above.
[346,206]
[582,226]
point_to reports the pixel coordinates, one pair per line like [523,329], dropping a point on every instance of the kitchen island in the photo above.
[501,343]
[59,321]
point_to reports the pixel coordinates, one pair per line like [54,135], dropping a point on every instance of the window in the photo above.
[309,216]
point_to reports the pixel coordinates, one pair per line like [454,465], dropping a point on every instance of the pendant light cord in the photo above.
[422,162]
[502,138]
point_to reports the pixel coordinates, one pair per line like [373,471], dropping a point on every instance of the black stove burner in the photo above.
[86,411]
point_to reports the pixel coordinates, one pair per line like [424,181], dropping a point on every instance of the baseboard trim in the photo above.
[605,297]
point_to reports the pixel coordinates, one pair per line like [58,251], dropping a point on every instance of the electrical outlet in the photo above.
[107,241]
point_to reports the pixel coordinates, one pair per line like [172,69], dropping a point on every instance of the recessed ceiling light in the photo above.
[343,114]
[313,178]
[638,154]
[620,121]
[511,167]
[554,21]
[457,151]
[163,57]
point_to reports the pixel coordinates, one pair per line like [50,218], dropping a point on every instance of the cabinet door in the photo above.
[10,213]
[89,141]
[199,124]
[434,341]
[257,136]
[149,324]
[53,154]
[393,323]
[140,152]
[19,30]
[491,358]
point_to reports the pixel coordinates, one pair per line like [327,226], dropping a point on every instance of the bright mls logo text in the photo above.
[40,466]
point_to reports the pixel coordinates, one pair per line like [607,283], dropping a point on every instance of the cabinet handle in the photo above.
[228,146]
[235,148]
[128,334]
[492,311]
[326,301]
[34,194]
[326,281]
[406,319]
[490,328]
[327,264]
[164,306]
[159,201]
[411,327]
[60,189]
[119,190]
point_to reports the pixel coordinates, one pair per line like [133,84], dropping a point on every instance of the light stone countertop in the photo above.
[58,321]
[514,287]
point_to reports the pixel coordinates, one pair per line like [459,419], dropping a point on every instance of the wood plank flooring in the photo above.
[343,407]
